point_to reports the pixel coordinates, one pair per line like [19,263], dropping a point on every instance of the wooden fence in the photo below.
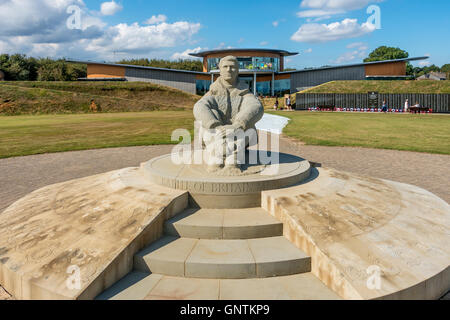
[439,103]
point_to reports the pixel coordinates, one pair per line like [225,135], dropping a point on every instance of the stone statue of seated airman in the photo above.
[227,115]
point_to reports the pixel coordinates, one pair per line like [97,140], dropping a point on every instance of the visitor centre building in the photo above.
[262,70]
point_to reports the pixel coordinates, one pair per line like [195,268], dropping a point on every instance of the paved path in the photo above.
[20,176]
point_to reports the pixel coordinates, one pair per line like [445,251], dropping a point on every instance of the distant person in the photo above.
[384,108]
[406,105]
[275,106]
[289,104]
[417,107]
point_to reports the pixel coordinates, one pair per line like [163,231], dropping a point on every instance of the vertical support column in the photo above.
[212,78]
[273,84]
[254,84]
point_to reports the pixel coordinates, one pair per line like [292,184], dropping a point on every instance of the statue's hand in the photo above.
[224,131]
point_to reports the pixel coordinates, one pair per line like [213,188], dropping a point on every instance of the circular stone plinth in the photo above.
[213,190]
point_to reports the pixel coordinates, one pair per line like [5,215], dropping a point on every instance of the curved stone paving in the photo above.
[20,176]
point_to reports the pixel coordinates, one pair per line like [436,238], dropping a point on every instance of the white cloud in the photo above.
[347,28]
[318,8]
[424,63]
[156,19]
[357,54]
[32,17]
[276,23]
[46,34]
[346,57]
[263,43]
[241,40]
[185,54]
[309,50]
[222,45]
[355,45]
[110,8]
[24,31]
[317,19]
[141,39]
[317,13]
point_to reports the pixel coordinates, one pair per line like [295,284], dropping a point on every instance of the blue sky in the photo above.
[325,32]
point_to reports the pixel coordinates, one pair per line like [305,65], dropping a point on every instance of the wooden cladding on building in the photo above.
[386,69]
[104,71]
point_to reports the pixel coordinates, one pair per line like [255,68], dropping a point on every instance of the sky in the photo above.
[324,32]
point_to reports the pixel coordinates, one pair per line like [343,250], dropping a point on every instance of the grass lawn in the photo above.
[422,133]
[26,135]
[35,97]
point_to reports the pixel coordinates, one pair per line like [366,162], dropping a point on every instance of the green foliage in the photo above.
[59,70]
[417,71]
[19,67]
[390,53]
[386,53]
[62,97]
[446,68]
[190,65]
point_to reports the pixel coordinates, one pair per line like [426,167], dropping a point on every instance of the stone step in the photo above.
[140,286]
[222,259]
[224,224]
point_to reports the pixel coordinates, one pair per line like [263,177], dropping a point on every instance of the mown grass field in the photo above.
[54,117]
[365,86]
[34,97]
[26,135]
[421,133]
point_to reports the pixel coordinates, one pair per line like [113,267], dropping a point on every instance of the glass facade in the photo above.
[250,63]
[264,88]
[203,86]
[282,87]
[213,64]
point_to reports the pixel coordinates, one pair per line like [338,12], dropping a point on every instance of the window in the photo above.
[250,63]
[213,64]
[203,87]
[282,87]
[263,88]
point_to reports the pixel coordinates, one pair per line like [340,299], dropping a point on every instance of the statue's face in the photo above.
[229,72]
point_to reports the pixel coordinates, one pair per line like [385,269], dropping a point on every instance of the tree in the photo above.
[390,53]
[446,69]
[51,70]
[386,53]
[190,65]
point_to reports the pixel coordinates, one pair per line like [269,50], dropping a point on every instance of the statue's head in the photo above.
[229,69]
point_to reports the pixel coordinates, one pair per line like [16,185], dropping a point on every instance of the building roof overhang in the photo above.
[135,66]
[357,64]
[283,53]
